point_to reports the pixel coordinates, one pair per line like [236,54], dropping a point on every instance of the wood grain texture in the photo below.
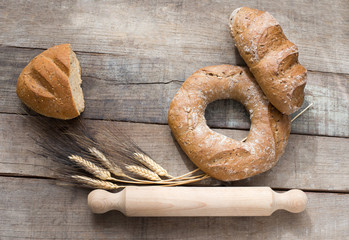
[139,90]
[39,209]
[310,162]
[172,30]
[134,57]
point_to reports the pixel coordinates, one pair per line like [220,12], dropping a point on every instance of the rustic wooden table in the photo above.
[134,56]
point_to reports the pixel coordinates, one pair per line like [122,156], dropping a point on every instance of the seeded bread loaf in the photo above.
[271,57]
[50,84]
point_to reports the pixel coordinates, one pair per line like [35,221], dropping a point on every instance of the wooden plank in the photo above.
[137,90]
[39,209]
[310,162]
[177,30]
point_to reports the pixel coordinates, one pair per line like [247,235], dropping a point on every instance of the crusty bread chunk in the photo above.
[271,57]
[51,83]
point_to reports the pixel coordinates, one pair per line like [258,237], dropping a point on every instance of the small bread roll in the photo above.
[51,84]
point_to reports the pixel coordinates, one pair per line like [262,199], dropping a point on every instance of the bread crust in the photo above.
[43,85]
[271,57]
[219,156]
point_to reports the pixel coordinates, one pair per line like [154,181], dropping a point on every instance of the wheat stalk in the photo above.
[150,163]
[143,172]
[303,111]
[188,181]
[114,169]
[193,177]
[95,183]
[182,176]
[104,174]
[90,167]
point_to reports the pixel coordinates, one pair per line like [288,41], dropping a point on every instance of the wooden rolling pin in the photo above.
[157,201]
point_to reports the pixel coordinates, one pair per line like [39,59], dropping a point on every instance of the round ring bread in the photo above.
[219,156]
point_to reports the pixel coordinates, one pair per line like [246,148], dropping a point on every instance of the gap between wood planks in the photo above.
[164,124]
[114,54]
[135,83]
[222,185]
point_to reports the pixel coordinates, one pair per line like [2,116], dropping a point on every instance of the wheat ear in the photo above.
[114,169]
[150,163]
[90,167]
[143,172]
[95,183]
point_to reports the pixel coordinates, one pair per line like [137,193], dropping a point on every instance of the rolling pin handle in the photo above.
[294,201]
[101,201]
